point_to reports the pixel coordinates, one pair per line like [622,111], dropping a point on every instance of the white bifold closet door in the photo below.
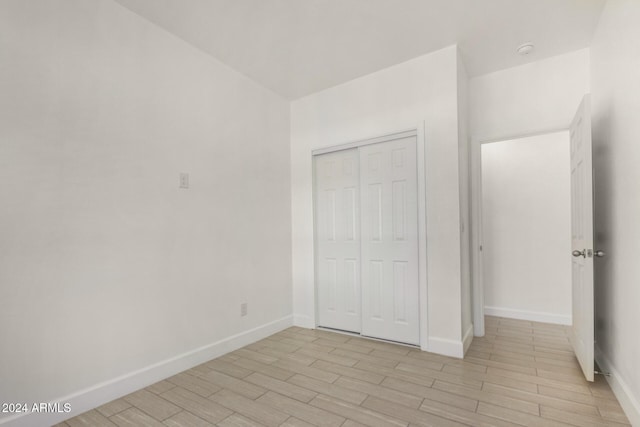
[367,240]
[338,240]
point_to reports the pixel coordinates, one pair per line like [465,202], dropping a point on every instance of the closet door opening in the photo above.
[366,231]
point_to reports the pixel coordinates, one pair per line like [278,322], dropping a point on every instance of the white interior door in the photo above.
[582,333]
[389,249]
[338,240]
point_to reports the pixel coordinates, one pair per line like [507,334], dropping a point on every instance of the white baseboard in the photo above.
[448,347]
[99,394]
[630,403]
[535,316]
[445,347]
[304,321]
[467,339]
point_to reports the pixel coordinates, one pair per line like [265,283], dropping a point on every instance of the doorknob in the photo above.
[582,253]
[599,254]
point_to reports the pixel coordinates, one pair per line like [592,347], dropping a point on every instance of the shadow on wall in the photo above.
[603,200]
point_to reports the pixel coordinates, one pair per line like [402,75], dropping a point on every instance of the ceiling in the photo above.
[298,47]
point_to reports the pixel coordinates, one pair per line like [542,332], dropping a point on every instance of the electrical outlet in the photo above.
[243,309]
[184,180]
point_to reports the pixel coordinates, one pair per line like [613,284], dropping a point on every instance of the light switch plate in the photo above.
[184,180]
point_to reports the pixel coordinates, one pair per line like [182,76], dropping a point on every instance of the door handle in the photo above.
[599,254]
[582,253]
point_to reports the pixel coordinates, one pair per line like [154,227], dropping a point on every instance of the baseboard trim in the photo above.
[467,339]
[303,321]
[445,347]
[99,394]
[630,403]
[535,316]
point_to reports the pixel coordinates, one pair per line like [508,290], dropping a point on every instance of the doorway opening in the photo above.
[582,254]
[523,200]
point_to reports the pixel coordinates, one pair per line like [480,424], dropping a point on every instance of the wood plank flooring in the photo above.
[520,374]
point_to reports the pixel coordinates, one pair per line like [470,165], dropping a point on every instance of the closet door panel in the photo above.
[389,241]
[337,236]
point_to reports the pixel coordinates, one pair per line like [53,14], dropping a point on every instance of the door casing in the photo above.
[477,284]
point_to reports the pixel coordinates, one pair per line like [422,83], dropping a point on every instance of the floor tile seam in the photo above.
[194,415]
[151,415]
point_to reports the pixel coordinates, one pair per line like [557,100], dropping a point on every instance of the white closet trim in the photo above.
[363,142]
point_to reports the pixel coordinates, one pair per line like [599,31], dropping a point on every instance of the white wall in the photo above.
[527,228]
[396,98]
[537,97]
[615,55]
[106,266]
[465,207]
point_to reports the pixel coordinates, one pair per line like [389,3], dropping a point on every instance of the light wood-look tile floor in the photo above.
[521,373]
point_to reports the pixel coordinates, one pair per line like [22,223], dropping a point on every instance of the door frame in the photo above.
[477,284]
[419,132]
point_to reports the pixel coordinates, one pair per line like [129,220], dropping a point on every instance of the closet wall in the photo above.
[422,93]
